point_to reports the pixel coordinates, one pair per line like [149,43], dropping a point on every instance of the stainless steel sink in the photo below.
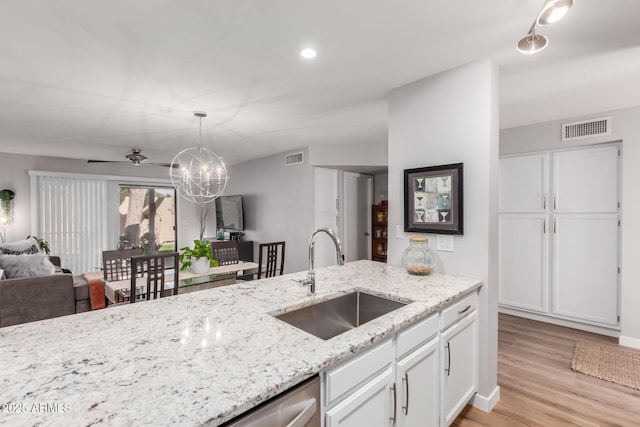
[333,317]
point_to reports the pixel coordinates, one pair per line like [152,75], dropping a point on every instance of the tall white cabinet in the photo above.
[559,234]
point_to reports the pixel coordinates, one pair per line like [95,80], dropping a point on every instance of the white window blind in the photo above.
[71,214]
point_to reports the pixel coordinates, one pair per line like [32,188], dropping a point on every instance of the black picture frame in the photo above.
[433,199]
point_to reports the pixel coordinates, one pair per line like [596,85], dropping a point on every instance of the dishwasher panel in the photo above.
[297,407]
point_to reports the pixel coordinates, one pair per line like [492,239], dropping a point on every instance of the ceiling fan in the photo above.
[136,158]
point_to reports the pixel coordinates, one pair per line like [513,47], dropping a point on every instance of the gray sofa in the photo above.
[42,297]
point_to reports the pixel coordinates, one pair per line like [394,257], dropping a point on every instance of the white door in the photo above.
[523,261]
[369,406]
[418,394]
[585,273]
[357,201]
[326,214]
[524,183]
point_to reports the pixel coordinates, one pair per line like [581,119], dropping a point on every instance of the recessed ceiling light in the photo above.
[308,53]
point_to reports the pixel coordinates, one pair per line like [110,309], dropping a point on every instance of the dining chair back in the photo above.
[153,284]
[116,265]
[225,252]
[271,259]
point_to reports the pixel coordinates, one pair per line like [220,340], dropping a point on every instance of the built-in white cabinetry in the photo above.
[459,357]
[559,234]
[418,371]
[405,381]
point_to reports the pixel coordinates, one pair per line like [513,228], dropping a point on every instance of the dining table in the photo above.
[119,290]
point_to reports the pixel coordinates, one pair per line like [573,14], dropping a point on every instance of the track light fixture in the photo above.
[552,11]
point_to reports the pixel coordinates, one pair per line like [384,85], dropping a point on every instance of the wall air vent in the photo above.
[293,159]
[586,129]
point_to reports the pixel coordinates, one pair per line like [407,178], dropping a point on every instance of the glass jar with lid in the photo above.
[418,258]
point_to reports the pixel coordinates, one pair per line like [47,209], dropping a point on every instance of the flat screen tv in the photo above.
[230,213]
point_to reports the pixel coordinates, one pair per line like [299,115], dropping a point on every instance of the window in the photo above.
[147,217]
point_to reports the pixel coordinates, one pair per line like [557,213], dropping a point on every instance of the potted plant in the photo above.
[5,200]
[200,258]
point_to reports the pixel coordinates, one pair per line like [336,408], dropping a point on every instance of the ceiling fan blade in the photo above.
[166,165]
[107,161]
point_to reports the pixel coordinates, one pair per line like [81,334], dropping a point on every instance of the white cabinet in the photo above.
[418,386]
[523,261]
[585,249]
[523,183]
[368,406]
[418,371]
[559,234]
[404,381]
[459,372]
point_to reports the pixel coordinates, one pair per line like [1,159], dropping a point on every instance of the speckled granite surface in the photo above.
[198,358]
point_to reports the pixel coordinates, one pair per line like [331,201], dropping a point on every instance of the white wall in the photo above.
[625,128]
[336,155]
[14,176]
[449,118]
[278,204]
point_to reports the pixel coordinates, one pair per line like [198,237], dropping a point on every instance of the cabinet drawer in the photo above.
[458,310]
[348,375]
[415,335]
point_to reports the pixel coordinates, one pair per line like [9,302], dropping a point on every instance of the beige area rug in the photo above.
[607,362]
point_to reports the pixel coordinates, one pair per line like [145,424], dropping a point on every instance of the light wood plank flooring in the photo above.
[538,387]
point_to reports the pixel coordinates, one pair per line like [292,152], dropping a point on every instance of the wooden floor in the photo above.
[538,387]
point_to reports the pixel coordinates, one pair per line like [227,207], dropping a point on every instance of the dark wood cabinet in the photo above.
[379,232]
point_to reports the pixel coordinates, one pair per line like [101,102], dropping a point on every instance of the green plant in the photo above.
[5,202]
[200,249]
[43,244]
[240,236]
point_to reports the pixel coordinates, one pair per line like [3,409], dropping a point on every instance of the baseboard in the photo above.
[486,404]
[610,332]
[629,342]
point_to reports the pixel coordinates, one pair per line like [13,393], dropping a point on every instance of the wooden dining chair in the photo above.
[271,259]
[116,265]
[153,284]
[225,252]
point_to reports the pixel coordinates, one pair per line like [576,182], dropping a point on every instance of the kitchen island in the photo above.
[198,358]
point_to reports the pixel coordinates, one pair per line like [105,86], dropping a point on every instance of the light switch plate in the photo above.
[399,232]
[444,242]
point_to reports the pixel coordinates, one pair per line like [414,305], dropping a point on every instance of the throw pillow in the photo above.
[20,246]
[16,266]
[29,251]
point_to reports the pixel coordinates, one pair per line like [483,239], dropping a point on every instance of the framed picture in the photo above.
[433,199]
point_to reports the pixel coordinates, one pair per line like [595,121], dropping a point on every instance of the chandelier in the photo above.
[198,175]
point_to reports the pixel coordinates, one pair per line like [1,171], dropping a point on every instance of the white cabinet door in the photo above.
[523,261]
[418,387]
[586,180]
[585,262]
[372,405]
[524,183]
[459,372]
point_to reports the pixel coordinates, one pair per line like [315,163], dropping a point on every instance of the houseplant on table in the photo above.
[200,258]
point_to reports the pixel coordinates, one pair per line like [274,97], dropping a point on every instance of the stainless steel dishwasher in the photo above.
[296,407]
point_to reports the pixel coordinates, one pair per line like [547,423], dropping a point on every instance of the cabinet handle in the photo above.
[449,357]
[406,389]
[544,201]
[555,197]
[544,227]
[554,226]
[464,310]
[395,403]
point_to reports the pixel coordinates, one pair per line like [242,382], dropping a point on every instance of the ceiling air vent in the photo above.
[293,159]
[586,129]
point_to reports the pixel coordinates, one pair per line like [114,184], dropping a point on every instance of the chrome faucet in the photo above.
[311,276]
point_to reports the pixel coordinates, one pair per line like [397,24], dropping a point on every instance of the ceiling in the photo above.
[88,79]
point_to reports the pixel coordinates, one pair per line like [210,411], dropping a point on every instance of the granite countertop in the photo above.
[197,358]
